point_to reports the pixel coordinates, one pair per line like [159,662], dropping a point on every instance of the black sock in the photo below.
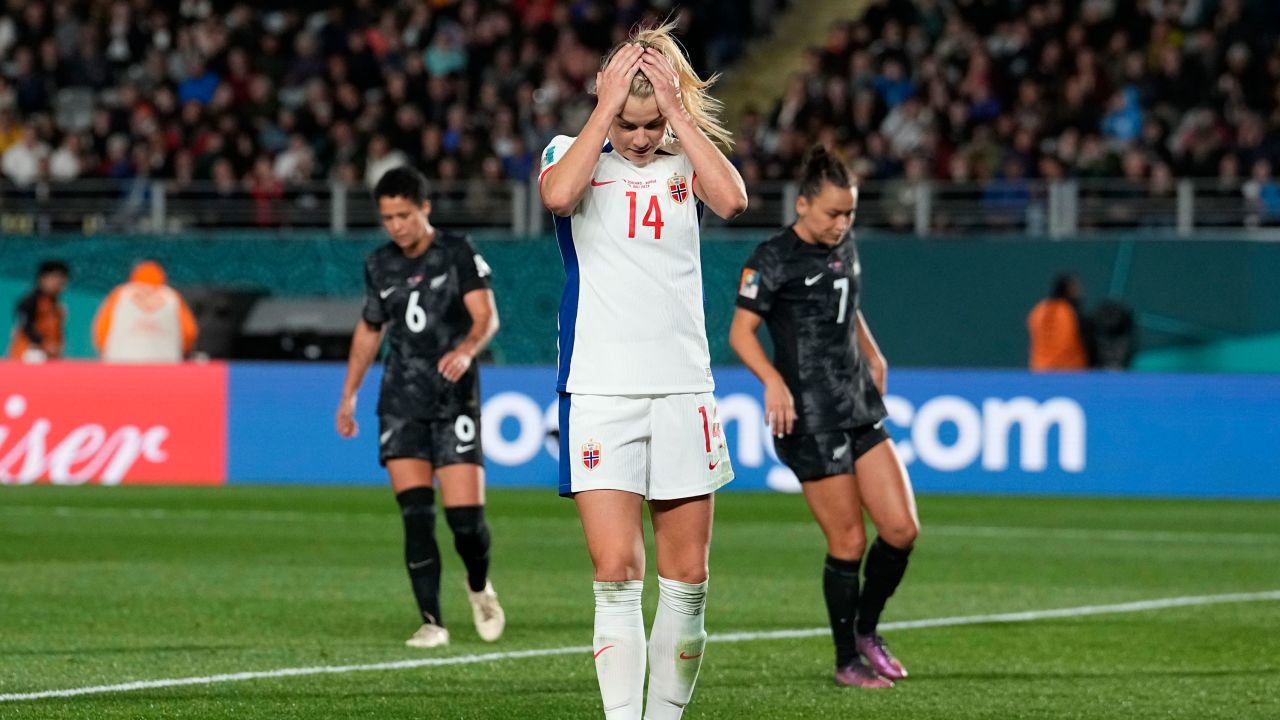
[421,554]
[885,566]
[471,539]
[840,588]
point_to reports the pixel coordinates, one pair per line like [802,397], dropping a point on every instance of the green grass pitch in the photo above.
[102,586]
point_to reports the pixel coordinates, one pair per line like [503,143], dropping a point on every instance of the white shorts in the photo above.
[662,447]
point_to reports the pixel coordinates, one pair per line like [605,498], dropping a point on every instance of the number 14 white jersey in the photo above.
[631,317]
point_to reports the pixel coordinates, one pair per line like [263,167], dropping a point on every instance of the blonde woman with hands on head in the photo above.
[638,420]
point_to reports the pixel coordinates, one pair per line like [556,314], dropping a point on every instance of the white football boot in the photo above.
[488,615]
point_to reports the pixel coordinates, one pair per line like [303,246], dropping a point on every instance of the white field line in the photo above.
[1028,616]
[125,513]
[1141,536]
[978,531]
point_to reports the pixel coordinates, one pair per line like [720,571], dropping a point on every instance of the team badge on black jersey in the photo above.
[750,285]
[678,187]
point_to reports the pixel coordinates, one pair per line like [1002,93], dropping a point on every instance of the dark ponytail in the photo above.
[821,167]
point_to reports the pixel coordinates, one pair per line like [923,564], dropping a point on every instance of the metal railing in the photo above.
[1029,208]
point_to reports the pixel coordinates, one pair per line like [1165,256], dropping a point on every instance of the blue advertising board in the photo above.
[957,431]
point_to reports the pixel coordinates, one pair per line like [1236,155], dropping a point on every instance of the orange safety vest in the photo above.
[144,320]
[1054,329]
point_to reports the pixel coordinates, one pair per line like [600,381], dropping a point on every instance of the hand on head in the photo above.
[613,84]
[666,84]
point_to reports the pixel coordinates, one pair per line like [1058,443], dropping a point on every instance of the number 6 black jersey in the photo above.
[420,301]
[808,297]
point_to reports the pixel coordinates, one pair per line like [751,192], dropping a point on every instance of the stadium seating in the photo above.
[461,89]
[996,92]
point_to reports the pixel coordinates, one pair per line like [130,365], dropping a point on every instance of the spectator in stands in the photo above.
[144,320]
[296,163]
[1005,199]
[1161,201]
[65,162]
[25,161]
[1123,121]
[32,88]
[40,316]
[10,130]
[906,127]
[200,83]
[1262,195]
[267,192]
[223,197]
[792,110]
[892,84]
[1224,199]
[903,195]
[1056,329]
[1122,199]
[382,157]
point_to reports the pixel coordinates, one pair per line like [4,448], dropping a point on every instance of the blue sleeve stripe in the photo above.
[568,315]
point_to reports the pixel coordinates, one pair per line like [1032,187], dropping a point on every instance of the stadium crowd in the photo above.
[257,98]
[263,96]
[1002,92]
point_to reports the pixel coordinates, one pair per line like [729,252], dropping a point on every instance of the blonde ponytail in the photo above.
[704,109]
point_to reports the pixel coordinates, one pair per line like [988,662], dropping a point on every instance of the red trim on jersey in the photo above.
[544,174]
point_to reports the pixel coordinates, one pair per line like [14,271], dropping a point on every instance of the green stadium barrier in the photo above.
[931,303]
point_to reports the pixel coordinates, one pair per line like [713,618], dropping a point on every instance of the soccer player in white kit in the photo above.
[637,418]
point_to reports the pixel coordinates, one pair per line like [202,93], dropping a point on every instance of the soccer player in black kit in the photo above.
[823,402]
[428,290]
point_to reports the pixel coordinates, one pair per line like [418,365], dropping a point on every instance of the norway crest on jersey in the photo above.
[678,186]
[590,454]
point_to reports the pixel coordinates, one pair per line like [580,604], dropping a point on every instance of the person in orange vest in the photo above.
[144,320]
[40,317]
[1056,329]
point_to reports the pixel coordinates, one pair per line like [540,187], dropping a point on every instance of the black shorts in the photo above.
[439,442]
[814,456]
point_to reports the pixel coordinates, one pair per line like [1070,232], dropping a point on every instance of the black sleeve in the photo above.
[761,279]
[26,312]
[373,312]
[473,271]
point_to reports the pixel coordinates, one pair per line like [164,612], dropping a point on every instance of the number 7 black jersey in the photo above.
[808,297]
[420,302]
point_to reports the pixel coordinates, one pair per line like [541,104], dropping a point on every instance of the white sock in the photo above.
[675,650]
[620,648]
